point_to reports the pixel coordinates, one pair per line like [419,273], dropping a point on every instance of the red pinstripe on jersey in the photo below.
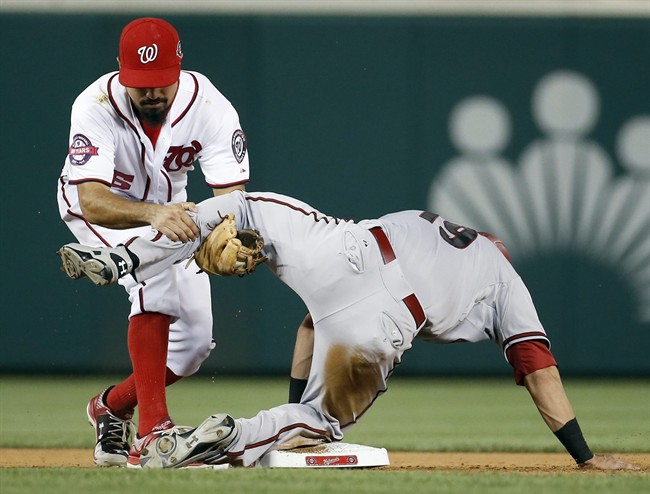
[111,98]
[324,218]
[88,224]
[275,437]
[83,181]
[223,186]
[529,336]
[189,105]
[169,185]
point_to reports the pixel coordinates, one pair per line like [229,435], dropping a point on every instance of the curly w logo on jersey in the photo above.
[81,150]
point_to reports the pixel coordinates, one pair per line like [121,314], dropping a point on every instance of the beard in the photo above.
[153,116]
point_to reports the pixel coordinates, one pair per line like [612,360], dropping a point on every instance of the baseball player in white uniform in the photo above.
[134,136]
[371,288]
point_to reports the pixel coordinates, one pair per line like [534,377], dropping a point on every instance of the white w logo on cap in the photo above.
[148,53]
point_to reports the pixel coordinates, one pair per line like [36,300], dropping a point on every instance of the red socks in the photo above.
[148,340]
[122,398]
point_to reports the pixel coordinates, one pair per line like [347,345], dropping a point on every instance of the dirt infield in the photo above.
[479,462]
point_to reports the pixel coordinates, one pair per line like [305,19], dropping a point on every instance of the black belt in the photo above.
[388,254]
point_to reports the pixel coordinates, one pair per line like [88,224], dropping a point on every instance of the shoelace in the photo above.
[117,433]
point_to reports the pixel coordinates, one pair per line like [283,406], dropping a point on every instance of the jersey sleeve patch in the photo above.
[81,150]
[239,145]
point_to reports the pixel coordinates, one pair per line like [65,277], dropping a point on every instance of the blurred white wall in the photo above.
[570,8]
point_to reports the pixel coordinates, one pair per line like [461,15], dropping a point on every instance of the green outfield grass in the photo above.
[415,414]
[258,481]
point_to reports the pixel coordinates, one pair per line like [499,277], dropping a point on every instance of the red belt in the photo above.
[388,254]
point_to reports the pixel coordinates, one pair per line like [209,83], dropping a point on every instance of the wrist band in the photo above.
[572,439]
[296,389]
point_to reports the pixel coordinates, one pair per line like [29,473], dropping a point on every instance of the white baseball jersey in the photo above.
[108,145]
[371,288]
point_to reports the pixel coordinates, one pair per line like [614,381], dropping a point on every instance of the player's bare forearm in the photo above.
[546,389]
[303,349]
[101,207]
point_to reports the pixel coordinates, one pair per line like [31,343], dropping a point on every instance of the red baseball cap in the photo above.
[150,54]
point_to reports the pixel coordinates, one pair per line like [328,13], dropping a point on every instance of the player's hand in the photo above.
[173,221]
[606,462]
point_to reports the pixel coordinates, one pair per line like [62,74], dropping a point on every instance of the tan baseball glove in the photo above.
[227,251]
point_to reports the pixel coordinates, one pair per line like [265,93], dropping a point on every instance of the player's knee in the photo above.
[353,379]
[201,351]
[186,359]
[190,344]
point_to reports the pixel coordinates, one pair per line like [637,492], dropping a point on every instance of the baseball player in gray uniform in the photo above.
[371,287]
